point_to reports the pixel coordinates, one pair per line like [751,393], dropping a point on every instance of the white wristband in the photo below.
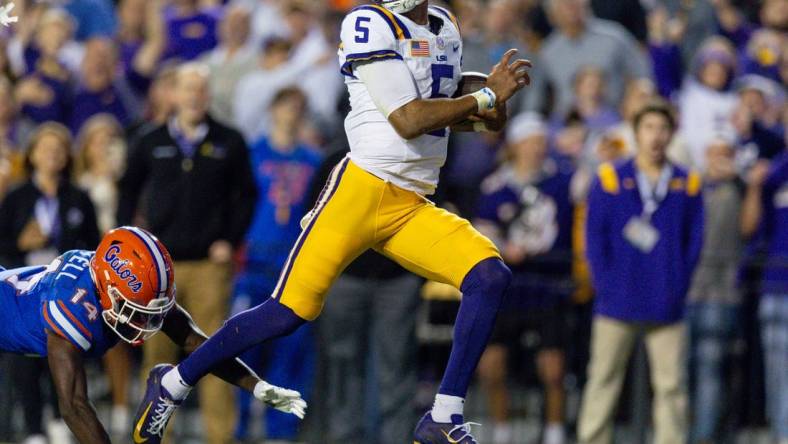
[485,98]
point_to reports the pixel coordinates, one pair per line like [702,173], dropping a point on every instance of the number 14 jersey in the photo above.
[59,297]
[433,54]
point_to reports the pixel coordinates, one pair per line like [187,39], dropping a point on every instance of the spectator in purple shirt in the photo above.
[96,92]
[131,29]
[140,42]
[13,132]
[191,30]
[526,210]
[756,118]
[761,56]
[44,92]
[704,96]
[733,23]
[24,47]
[758,47]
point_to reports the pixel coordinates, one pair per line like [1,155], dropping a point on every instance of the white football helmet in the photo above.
[400,6]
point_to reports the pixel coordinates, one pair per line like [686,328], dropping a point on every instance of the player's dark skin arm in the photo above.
[421,116]
[180,327]
[494,119]
[66,363]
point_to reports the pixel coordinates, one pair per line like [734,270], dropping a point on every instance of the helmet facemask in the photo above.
[132,322]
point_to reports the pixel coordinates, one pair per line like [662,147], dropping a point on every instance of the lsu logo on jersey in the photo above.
[120,267]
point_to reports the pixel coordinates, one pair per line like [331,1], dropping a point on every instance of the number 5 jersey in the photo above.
[433,55]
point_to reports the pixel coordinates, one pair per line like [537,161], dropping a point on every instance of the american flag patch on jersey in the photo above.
[419,48]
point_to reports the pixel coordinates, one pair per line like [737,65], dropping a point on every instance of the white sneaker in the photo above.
[35,439]
[58,432]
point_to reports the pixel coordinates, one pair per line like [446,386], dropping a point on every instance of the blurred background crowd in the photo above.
[215,124]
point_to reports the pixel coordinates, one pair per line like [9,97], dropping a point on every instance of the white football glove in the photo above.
[284,400]
[5,18]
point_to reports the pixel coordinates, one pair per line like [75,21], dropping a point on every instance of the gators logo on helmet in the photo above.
[135,280]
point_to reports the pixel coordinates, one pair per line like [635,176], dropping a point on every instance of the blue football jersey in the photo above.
[283,181]
[59,297]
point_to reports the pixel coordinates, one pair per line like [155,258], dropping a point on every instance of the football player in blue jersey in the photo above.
[84,302]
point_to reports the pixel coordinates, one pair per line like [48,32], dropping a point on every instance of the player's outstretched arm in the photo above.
[180,327]
[66,364]
[421,116]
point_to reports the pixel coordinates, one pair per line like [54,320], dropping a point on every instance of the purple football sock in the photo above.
[482,294]
[266,321]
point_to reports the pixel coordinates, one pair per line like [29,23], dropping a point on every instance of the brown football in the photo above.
[470,83]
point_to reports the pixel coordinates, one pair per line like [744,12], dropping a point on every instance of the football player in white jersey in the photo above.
[394,64]
[402,61]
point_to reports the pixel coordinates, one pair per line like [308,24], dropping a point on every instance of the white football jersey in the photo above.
[370,33]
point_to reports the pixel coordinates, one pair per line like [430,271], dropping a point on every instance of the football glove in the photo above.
[284,400]
[5,18]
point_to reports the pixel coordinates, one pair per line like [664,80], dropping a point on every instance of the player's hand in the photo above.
[284,400]
[5,18]
[494,119]
[505,79]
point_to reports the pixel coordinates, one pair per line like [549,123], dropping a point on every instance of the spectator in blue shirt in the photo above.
[283,168]
[93,18]
[644,234]
[525,208]
[765,209]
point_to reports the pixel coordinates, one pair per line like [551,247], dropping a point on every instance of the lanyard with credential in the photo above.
[188,147]
[46,213]
[652,197]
